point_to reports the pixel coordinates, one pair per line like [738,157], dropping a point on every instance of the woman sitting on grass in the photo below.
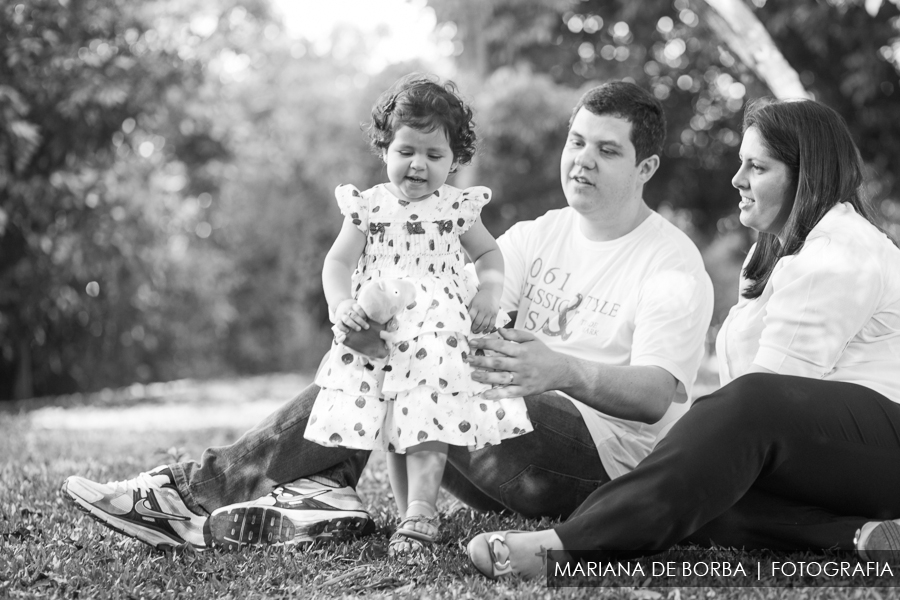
[800,448]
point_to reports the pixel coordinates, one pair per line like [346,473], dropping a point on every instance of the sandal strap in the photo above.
[417,540]
[432,520]
[412,534]
[407,536]
[406,530]
[499,568]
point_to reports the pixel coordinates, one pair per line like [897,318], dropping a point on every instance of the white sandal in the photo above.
[405,534]
[484,551]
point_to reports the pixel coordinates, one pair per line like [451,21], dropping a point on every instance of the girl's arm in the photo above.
[337,272]
[482,249]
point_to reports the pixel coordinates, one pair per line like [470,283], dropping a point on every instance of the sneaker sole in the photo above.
[883,543]
[158,540]
[258,525]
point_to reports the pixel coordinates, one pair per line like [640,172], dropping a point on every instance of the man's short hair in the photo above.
[634,104]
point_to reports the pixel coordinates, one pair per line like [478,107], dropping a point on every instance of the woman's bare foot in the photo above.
[499,553]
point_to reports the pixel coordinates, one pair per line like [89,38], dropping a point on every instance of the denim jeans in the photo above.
[768,461]
[547,472]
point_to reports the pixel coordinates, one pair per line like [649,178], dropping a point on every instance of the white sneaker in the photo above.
[299,512]
[148,508]
[879,540]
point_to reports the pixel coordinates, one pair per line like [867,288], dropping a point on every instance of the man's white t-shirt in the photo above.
[642,299]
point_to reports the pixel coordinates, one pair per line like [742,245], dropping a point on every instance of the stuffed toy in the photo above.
[381,300]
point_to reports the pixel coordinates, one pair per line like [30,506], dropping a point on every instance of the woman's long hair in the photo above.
[825,168]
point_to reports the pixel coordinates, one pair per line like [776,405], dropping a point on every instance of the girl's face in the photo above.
[418,162]
[765,186]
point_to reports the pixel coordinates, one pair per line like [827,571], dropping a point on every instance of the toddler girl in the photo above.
[415,227]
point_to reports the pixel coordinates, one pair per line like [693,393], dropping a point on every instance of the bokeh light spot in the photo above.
[665,25]
[203,230]
[674,49]
[575,24]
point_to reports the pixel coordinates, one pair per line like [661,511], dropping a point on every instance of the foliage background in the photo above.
[166,168]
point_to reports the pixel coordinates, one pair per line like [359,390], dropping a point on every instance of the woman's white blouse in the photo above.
[831,311]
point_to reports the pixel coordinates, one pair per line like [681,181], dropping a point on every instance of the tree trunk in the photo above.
[735,24]
[24,386]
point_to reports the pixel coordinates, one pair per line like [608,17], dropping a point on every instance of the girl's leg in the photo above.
[416,477]
[396,465]
[416,493]
[424,471]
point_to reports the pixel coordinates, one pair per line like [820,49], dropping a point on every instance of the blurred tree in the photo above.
[299,137]
[522,118]
[71,76]
[166,189]
[103,149]
[738,27]
[167,168]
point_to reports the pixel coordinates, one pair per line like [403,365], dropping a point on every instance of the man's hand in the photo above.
[524,365]
[369,341]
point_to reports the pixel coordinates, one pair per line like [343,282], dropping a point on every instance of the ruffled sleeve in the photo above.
[471,202]
[353,205]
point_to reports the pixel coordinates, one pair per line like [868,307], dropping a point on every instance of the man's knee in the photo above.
[555,413]
[539,404]
[293,413]
[537,492]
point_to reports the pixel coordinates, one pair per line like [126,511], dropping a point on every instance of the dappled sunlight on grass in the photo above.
[162,417]
[170,406]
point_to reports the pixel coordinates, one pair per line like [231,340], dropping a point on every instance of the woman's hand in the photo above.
[522,366]
[483,309]
[349,316]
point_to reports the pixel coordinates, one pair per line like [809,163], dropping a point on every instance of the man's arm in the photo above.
[637,393]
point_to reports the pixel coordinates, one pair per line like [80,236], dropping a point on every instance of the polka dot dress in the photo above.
[423,390]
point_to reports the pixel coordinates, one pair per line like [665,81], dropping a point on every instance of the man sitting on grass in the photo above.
[612,306]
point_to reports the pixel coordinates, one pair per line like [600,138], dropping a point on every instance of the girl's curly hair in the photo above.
[423,103]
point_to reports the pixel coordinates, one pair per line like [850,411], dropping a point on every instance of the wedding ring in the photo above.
[511,377]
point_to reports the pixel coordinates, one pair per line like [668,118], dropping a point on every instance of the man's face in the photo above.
[597,167]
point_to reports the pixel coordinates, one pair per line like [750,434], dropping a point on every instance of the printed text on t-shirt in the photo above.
[551,309]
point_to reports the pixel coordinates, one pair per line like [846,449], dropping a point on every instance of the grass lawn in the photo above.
[50,550]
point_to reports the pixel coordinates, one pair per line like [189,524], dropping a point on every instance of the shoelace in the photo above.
[303,488]
[142,481]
